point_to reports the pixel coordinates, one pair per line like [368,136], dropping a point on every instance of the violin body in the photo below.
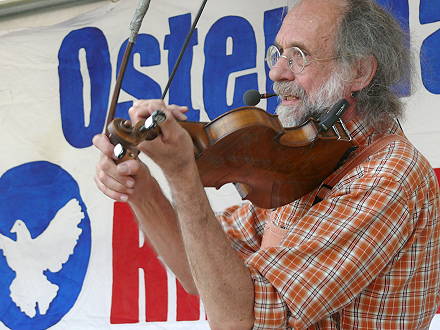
[270,165]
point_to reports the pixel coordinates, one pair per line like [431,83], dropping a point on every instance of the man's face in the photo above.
[310,26]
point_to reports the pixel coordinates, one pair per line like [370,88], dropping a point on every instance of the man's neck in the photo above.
[350,113]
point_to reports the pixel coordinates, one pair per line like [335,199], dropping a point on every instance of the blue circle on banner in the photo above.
[41,271]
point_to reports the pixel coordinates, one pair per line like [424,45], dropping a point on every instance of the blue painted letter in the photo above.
[136,83]
[93,41]
[180,89]
[219,64]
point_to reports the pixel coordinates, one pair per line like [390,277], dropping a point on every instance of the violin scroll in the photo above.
[126,137]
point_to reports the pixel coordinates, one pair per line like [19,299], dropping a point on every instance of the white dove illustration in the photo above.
[29,258]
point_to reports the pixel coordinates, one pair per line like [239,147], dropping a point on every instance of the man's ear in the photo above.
[364,71]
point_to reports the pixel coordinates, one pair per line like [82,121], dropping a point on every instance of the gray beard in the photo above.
[310,105]
[292,116]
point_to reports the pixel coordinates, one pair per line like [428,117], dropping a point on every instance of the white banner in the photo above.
[70,258]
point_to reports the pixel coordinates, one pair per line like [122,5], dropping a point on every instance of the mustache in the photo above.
[286,88]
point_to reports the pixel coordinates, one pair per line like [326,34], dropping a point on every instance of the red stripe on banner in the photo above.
[188,306]
[128,257]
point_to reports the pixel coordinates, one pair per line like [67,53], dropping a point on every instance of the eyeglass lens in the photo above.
[294,56]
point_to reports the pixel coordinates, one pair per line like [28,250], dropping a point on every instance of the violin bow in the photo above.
[184,46]
[134,28]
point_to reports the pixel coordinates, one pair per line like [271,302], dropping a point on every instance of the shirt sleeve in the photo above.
[244,226]
[331,253]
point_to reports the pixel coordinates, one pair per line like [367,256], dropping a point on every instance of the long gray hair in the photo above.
[367,29]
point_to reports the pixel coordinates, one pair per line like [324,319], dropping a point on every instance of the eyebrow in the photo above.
[293,44]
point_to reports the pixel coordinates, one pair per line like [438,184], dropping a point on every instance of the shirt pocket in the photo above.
[273,235]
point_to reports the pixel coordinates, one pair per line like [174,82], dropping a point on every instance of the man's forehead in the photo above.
[310,23]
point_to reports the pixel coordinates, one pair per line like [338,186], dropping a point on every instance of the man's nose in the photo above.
[281,71]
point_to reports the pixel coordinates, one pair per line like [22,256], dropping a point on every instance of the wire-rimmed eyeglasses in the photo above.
[296,58]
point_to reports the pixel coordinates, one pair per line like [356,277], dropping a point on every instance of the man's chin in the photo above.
[290,116]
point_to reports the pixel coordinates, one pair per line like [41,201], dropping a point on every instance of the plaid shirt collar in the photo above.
[364,135]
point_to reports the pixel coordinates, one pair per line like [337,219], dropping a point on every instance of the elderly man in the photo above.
[366,256]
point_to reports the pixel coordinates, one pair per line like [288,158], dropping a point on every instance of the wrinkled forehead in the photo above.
[312,24]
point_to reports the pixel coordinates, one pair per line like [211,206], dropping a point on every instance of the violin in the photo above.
[270,165]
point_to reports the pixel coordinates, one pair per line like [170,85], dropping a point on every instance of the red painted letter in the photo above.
[128,257]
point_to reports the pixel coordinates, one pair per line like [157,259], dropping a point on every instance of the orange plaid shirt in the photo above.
[366,257]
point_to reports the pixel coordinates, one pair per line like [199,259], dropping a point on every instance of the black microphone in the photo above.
[252,97]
